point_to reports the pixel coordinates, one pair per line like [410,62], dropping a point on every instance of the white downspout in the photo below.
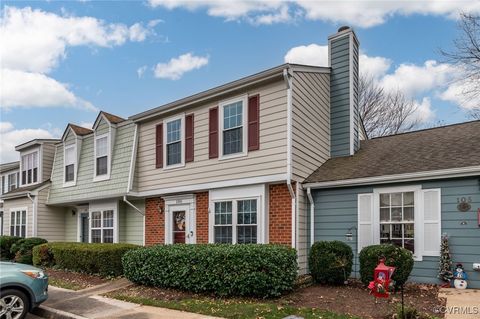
[288,82]
[131,205]
[34,215]
[312,215]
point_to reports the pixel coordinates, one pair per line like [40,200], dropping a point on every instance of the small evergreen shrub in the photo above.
[22,249]
[225,270]
[330,262]
[6,243]
[395,256]
[101,259]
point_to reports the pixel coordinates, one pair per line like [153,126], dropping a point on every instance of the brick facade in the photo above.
[154,221]
[280,214]
[202,217]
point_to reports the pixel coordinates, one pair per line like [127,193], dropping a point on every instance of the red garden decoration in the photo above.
[382,280]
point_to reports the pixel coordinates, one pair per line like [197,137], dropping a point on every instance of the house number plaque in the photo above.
[463,204]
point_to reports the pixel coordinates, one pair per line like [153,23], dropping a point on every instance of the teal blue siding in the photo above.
[336,212]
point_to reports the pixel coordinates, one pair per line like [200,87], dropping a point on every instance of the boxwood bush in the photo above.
[225,270]
[22,249]
[330,262]
[6,243]
[395,256]
[101,259]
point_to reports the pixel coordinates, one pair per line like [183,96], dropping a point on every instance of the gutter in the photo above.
[288,82]
[133,206]
[34,214]
[312,215]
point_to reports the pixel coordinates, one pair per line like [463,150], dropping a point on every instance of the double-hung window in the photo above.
[233,134]
[173,142]
[18,222]
[12,181]
[102,226]
[70,156]
[30,168]
[101,155]
[235,221]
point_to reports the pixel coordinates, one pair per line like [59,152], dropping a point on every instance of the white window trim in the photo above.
[16,209]
[103,207]
[39,167]
[244,99]
[74,182]
[8,184]
[418,215]
[181,202]
[180,117]
[97,178]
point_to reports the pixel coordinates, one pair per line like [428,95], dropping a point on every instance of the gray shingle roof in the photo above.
[446,147]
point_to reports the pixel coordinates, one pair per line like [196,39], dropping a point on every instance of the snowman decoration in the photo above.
[460,277]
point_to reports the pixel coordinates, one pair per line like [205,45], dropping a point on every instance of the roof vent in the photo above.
[343,28]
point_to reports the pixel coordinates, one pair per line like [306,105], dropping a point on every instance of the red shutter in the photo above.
[254,122]
[213,133]
[189,138]
[159,146]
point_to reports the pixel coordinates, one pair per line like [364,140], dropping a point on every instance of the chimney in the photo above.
[344,116]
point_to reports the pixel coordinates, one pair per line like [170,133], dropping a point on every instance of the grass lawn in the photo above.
[231,308]
[57,282]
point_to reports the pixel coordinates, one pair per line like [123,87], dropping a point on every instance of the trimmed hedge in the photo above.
[22,249]
[225,270]
[395,256]
[6,243]
[330,262]
[101,259]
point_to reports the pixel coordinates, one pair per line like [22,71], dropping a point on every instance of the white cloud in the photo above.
[12,137]
[375,66]
[363,13]
[424,112]
[176,67]
[312,54]
[37,42]
[141,71]
[459,93]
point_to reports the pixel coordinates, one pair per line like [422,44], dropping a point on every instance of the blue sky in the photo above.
[63,61]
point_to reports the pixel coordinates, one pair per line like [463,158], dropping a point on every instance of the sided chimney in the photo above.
[344,115]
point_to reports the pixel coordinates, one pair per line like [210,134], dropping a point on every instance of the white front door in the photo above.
[180,225]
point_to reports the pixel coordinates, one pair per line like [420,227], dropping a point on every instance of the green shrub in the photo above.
[101,259]
[6,243]
[330,261]
[225,270]
[395,256]
[22,249]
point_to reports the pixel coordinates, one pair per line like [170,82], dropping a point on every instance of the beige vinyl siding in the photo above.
[270,159]
[86,188]
[17,203]
[70,227]
[70,138]
[50,219]
[131,223]
[311,123]
[103,127]
[303,232]
[361,132]
[48,153]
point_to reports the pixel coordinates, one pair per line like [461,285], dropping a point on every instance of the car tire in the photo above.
[22,302]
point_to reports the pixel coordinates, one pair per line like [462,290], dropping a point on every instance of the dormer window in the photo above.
[101,156]
[30,168]
[70,160]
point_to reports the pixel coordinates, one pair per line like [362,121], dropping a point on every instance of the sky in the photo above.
[63,61]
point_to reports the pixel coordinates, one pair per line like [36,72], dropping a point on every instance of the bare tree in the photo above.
[466,55]
[384,113]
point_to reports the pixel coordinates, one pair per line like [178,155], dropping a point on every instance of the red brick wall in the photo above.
[280,214]
[154,221]
[202,217]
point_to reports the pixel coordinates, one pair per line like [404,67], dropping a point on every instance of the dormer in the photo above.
[36,160]
[72,140]
[104,128]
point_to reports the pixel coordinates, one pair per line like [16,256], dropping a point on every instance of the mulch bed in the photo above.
[352,299]
[76,279]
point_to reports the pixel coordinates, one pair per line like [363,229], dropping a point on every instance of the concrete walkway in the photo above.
[461,304]
[87,303]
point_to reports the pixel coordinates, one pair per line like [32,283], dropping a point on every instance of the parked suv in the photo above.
[22,288]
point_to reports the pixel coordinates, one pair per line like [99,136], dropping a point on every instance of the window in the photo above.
[18,222]
[102,226]
[235,221]
[12,181]
[70,163]
[30,168]
[101,155]
[397,219]
[174,142]
[233,128]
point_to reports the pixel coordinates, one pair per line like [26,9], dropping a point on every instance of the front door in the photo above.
[84,227]
[181,230]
